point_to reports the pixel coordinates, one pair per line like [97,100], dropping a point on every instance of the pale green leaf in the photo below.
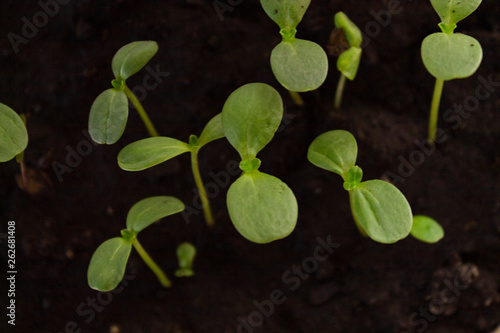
[299,65]
[449,57]
[250,117]
[108,264]
[186,253]
[262,207]
[286,13]
[13,134]
[212,131]
[381,210]
[348,62]
[149,152]
[335,151]
[351,30]
[149,210]
[108,116]
[453,11]
[426,229]
[132,57]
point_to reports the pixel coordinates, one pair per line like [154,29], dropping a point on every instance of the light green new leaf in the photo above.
[299,65]
[449,57]
[351,30]
[262,207]
[335,151]
[286,13]
[13,134]
[212,131]
[108,264]
[186,253]
[250,117]
[381,210]
[149,210]
[348,62]
[132,57]
[426,229]
[108,116]
[149,152]
[453,11]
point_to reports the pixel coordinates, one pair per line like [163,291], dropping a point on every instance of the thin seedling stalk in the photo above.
[201,189]
[140,109]
[297,99]
[339,92]
[162,277]
[436,99]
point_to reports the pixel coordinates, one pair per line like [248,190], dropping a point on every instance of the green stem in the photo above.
[436,99]
[360,227]
[150,262]
[201,189]
[296,98]
[142,113]
[339,92]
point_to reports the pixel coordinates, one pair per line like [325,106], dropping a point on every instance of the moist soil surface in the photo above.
[362,286]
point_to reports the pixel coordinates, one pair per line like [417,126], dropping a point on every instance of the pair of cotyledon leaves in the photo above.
[13,134]
[109,112]
[261,207]
[448,55]
[348,62]
[299,65]
[107,266]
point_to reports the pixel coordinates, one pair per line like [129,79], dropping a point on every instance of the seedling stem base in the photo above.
[339,92]
[201,189]
[142,113]
[150,262]
[436,99]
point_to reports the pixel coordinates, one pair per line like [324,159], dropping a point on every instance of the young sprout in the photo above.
[299,65]
[426,229]
[261,207]
[146,153]
[109,261]
[349,59]
[185,253]
[379,209]
[13,137]
[447,55]
[109,112]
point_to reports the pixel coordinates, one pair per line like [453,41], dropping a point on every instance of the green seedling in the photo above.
[146,153]
[379,209]
[426,229]
[448,55]
[261,207]
[299,65]
[13,137]
[185,254]
[348,62]
[109,261]
[109,112]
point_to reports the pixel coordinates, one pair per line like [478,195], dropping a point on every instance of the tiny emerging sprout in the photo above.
[379,209]
[299,65]
[348,62]
[109,112]
[426,229]
[262,207]
[186,253]
[448,55]
[146,153]
[109,261]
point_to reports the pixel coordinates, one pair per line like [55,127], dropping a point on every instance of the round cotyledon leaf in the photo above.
[13,134]
[352,32]
[108,116]
[348,62]
[381,210]
[149,210]
[451,56]
[262,207]
[299,65]
[108,264]
[426,229]
[132,57]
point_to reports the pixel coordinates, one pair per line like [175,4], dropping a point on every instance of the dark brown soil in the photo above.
[362,286]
